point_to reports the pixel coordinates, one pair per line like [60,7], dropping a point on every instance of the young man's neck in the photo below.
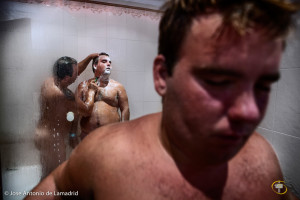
[208,178]
[103,79]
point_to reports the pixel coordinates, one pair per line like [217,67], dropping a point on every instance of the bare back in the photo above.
[53,128]
[55,104]
[128,161]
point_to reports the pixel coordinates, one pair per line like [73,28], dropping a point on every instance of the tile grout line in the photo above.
[279,132]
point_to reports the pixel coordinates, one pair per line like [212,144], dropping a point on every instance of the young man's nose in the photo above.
[245,108]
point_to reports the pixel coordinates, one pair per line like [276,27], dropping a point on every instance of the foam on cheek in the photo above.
[84,84]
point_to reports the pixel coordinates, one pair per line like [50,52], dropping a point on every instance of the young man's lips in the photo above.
[229,138]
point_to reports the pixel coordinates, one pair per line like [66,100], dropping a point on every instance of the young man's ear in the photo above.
[160,75]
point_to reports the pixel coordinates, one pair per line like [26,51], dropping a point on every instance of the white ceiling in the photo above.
[148,4]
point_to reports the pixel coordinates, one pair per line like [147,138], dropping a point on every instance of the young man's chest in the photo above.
[165,182]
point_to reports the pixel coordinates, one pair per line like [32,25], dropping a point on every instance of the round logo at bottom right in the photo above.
[279,187]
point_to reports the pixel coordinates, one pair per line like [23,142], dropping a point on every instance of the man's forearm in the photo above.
[84,63]
[45,190]
[86,107]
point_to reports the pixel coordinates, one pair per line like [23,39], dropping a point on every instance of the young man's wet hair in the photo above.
[273,15]
[64,67]
[95,60]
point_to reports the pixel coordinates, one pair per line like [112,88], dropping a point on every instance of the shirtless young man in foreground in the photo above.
[56,100]
[99,98]
[216,63]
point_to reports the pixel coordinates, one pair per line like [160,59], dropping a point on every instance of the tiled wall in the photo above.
[281,125]
[34,35]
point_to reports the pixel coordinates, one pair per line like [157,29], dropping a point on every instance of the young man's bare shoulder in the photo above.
[254,168]
[259,148]
[115,141]
[256,164]
[258,154]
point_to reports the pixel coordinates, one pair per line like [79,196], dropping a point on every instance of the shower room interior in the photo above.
[35,33]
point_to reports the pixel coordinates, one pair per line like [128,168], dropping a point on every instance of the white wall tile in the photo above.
[26,121]
[96,24]
[14,49]
[29,83]
[287,106]
[93,45]
[136,55]
[9,121]
[136,109]
[70,46]
[150,52]
[135,85]
[53,37]
[47,36]
[141,28]
[42,62]
[268,121]
[150,93]
[74,23]
[291,58]
[152,30]
[48,14]
[152,107]
[136,28]
[116,48]
[38,35]
[10,87]
[116,26]
[82,50]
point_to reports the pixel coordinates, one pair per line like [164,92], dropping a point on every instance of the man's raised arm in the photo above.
[84,63]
